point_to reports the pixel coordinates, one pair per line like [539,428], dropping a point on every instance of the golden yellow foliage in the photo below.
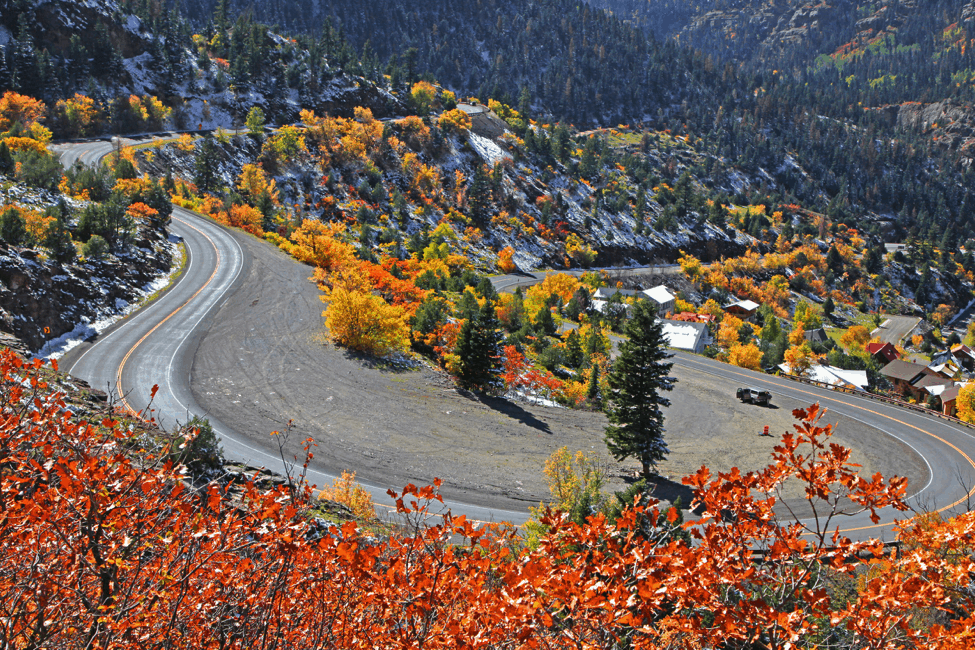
[365,322]
[454,120]
[580,252]
[254,181]
[965,403]
[422,93]
[505,262]
[318,244]
[800,359]
[346,491]
[728,331]
[691,266]
[745,356]
[798,334]
[856,336]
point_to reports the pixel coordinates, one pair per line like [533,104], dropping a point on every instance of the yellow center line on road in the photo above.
[877,413]
[125,359]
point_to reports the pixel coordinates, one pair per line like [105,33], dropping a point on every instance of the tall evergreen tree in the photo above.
[206,165]
[636,380]
[479,349]
[58,238]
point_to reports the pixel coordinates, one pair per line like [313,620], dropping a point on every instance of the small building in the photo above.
[884,353]
[743,309]
[662,297]
[605,293]
[686,336]
[965,356]
[903,375]
[949,401]
[833,376]
[816,335]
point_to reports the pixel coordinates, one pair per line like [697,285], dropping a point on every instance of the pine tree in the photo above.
[479,349]
[592,390]
[13,227]
[638,376]
[58,239]
[206,165]
[479,194]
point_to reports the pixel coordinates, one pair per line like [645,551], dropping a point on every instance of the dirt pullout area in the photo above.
[265,363]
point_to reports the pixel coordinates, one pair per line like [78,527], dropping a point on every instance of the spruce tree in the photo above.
[592,390]
[58,238]
[206,165]
[479,349]
[636,380]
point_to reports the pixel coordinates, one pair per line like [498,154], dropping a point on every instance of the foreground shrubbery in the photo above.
[102,545]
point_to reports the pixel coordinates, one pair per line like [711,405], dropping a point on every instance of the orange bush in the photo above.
[505,263]
[134,560]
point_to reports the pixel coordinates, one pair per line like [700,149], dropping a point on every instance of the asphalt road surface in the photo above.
[238,339]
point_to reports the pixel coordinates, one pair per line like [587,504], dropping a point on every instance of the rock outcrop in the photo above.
[42,300]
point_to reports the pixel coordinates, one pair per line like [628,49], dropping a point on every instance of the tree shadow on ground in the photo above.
[396,365]
[509,408]
[667,490]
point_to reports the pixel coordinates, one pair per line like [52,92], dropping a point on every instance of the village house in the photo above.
[743,309]
[965,356]
[912,379]
[884,353]
[684,335]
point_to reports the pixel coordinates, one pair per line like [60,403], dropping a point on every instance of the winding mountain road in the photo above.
[237,339]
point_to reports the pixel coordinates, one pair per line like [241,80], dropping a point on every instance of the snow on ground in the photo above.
[487,149]
[57,348]
[139,68]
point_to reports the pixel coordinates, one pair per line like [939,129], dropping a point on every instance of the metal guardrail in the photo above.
[880,398]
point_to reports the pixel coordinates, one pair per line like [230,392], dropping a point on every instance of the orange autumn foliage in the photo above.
[23,109]
[133,559]
[505,262]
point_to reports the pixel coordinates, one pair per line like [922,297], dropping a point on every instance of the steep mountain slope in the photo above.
[576,63]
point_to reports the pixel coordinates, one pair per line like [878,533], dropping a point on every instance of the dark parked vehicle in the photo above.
[755,396]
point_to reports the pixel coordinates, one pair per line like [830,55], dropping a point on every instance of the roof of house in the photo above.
[886,350]
[904,370]
[950,394]
[946,369]
[609,292]
[962,349]
[833,376]
[747,305]
[928,381]
[682,334]
[659,294]
[817,335]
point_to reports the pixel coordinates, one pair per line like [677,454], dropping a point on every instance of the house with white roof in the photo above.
[662,296]
[833,376]
[686,336]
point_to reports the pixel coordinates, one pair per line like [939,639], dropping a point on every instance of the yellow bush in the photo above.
[346,491]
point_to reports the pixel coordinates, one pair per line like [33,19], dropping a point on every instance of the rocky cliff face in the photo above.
[948,123]
[42,301]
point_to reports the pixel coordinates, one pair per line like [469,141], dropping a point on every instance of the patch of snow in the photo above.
[487,149]
[133,24]
[5,36]
[532,399]
[57,348]
[140,70]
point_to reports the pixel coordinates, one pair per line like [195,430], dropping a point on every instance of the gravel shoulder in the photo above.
[265,363]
